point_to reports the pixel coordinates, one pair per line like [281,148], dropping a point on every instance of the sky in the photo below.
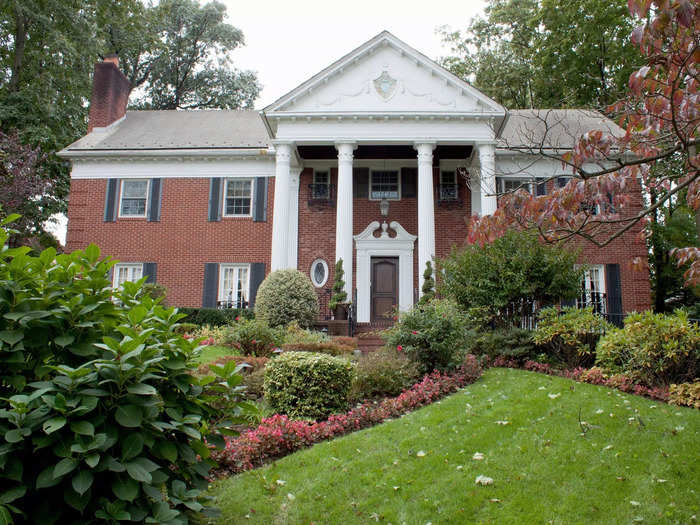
[288,42]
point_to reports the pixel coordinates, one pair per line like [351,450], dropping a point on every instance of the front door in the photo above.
[384,286]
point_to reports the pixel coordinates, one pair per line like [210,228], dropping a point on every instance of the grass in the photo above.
[637,461]
[212,352]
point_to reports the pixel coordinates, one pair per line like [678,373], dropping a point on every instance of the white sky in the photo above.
[288,42]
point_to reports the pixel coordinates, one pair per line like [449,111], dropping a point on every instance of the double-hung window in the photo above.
[238,198]
[510,184]
[385,185]
[134,198]
[321,185]
[234,285]
[593,289]
[122,273]
[448,186]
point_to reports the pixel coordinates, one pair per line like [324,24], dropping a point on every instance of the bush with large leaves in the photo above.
[99,417]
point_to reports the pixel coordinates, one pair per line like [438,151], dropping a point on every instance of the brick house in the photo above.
[380,159]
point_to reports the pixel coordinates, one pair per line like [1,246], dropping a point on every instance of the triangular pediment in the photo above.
[385,76]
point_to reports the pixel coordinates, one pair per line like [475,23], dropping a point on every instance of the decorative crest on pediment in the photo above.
[385,85]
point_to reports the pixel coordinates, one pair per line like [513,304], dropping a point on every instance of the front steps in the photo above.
[368,338]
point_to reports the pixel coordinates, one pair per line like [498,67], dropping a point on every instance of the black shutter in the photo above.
[257,275]
[613,287]
[360,183]
[260,200]
[409,181]
[149,272]
[154,207]
[211,285]
[111,199]
[214,199]
[541,188]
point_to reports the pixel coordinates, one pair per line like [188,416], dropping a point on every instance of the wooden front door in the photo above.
[385,287]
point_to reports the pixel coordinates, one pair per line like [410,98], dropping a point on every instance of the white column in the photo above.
[426,209]
[280,219]
[487,161]
[343,212]
[293,239]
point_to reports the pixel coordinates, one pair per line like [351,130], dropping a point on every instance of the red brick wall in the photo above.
[179,244]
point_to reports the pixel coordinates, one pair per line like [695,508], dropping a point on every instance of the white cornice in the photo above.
[179,154]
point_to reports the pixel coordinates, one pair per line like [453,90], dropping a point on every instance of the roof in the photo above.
[552,128]
[177,130]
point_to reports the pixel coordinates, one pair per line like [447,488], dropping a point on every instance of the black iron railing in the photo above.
[352,315]
[321,194]
[232,303]
[447,193]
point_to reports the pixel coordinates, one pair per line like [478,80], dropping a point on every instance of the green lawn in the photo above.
[210,353]
[639,461]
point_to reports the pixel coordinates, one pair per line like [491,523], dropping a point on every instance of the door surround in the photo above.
[368,246]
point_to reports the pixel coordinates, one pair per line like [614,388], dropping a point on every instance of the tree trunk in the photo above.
[20,37]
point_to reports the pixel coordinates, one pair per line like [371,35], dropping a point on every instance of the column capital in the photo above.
[424,145]
[425,151]
[283,150]
[345,149]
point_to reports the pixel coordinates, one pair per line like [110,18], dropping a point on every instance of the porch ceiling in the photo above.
[327,152]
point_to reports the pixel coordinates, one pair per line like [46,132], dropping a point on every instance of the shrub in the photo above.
[285,296]
[511,273]
[295,335]
[302,384]
[382,373]
[218,335]
[155,291]
[100,417]
[328,347]
[214,316]
[570,336]
[656,349]
[186,328]
[428,287]
[252,363]
[685,394]
[511,342]
[254,337]
[434,334]
[338,294]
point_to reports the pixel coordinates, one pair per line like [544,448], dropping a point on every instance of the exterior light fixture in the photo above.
[384,208]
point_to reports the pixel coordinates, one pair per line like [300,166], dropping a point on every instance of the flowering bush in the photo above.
[384,372]
[278,435]
[687,394]
[570,336]
[304,384]
[434,334]
[254,337]
[213,335]
[656,349]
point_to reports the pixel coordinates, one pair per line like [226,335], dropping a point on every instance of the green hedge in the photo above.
[303,384]
[214,316]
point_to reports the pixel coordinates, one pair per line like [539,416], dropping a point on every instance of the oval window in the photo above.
[319,272]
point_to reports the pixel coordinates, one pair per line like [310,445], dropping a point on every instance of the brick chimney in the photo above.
[110,93]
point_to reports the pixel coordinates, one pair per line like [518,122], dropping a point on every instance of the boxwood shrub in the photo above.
[214,316]
[100,419]
[308,385]
[285,296]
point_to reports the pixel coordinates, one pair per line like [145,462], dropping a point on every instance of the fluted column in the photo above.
[343,212]
[280,220]
[426,208]
[487,161]
[293,240]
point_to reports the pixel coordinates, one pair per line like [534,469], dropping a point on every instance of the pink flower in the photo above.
[238,318]
[399,348]
[414,332]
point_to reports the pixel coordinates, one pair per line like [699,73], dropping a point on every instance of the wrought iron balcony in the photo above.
[597,300]
[232,303]
[448,194]
[320,194]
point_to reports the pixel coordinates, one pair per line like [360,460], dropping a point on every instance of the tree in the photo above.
[660,115]
[546,53]
[339,296]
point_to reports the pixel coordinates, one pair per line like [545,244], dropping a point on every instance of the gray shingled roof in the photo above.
[552,128]
[154,130]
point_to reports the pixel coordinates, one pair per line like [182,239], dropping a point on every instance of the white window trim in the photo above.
[131,266]
[525,183]
[222,268]
[223,199]
[121,196]
[311,272]
[398,177]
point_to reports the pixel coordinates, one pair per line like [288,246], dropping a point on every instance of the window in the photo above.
[238,197]
[320,188]
[448,188]
[593,289]
[319,272]
[134,197]
[122,273]
[509,185]
[384,185]
[234,285]
[562,181]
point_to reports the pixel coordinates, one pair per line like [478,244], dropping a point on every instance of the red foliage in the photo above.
[278,435]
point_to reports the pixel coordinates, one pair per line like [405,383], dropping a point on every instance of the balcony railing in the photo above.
[321,194]
[232,303]
[448,193]
[597,300]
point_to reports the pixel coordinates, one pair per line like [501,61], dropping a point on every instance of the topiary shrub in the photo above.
[285,296]
[338,294]
[655,349]
[254,337]
[428,287]
[307,385]
[434,334]
[570,336]
[100,418]
[384,372]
